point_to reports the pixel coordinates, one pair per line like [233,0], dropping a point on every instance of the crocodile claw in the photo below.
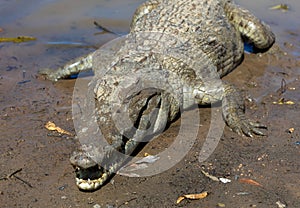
[248,128]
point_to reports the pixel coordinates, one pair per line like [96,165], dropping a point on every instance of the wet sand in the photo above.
[46,178]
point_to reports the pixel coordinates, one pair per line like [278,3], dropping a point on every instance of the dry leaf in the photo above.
[291,130]
[282,7]
[129,169]
[280,204]
[52,127]
[196,196]
[249,181]
[180,199]
[282,101]
[192,196]
[289,102]
[214,178]
[18,39]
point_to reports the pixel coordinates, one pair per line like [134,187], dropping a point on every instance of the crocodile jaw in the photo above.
[91,174]
[91,184]
[94,184]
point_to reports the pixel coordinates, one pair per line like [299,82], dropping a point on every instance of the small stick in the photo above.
[283,86]
[10,175]
[103,28]
[28,184]
[125,203]
[24,74]
[13,174]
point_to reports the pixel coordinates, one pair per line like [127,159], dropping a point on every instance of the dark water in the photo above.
[64,20]
[64,29]
[285,24]
[72,20]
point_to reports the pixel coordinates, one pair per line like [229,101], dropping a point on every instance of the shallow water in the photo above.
[64,28]
[63,20]
[72,20]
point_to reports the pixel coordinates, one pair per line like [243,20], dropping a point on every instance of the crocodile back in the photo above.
[201,24]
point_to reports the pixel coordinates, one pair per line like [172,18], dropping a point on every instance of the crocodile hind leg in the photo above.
[76,66]
[233,108]
[252,29]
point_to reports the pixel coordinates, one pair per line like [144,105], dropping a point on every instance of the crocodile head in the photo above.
[91,175]
[98,161]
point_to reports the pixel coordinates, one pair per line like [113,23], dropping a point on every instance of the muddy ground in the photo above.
[35,169]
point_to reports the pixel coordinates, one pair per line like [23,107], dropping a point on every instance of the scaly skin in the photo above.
[184,46]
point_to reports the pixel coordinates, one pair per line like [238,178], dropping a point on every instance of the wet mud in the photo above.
[35,169]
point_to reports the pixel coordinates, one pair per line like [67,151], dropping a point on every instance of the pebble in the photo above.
[62,187]
[221,205]
[96,206]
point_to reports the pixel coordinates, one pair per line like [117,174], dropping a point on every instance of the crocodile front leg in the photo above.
[233,107]
[234,113]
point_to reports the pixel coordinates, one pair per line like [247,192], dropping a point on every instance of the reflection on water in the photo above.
[74,17]
[48,18]
[69,23]
[55,17]
[63,28]
[42,11]
[282,23]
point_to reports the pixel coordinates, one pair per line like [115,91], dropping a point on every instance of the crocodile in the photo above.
[172,59]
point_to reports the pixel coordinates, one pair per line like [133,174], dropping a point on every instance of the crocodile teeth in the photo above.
[89,185]
[86,186]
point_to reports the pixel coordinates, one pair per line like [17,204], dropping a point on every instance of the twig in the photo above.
[283,86]
[103,28]
[13,174]
[28,184]
[10,175]
[125,203]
